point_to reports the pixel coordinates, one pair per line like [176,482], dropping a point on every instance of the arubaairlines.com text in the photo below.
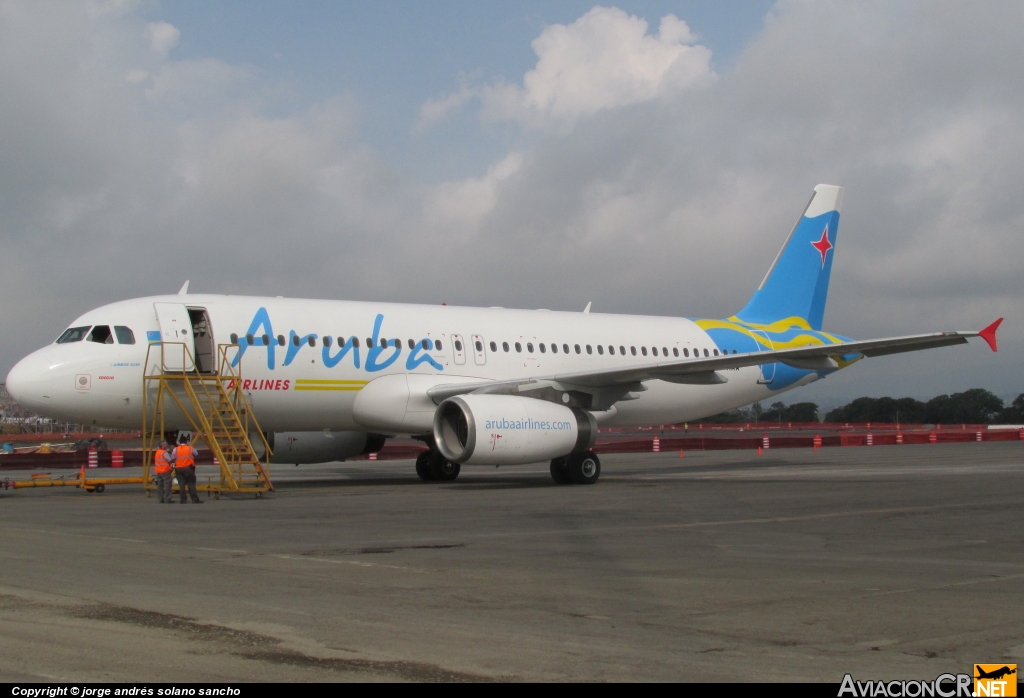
[944,686]
[527,424]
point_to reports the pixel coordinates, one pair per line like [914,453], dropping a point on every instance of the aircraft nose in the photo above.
[29,382]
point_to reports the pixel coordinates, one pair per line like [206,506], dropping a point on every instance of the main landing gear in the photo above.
[431,465]
[576,469]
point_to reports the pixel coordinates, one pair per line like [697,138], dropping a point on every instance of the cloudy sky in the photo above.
[647,156]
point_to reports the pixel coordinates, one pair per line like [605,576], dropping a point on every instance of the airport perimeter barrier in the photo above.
[607,443]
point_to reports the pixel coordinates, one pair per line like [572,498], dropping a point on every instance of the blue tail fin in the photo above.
[796,285]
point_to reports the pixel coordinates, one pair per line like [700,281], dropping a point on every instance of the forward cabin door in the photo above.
[175,331]
[767,370]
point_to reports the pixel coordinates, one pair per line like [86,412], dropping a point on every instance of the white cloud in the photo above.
[605,59]
[640,193]
[162,37]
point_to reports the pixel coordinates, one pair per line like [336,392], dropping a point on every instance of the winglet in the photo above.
[989,334]
[586,311]
[184,289]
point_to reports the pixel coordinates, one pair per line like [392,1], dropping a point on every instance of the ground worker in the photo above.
[185,469]
[162,465]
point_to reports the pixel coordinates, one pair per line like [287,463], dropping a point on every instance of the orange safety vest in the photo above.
[160,463]
[183,456]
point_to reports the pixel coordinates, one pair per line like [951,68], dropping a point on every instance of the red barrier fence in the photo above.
[669,444]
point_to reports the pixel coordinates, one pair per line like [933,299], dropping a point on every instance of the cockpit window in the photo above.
[73,334]
[124,334]
[101,334]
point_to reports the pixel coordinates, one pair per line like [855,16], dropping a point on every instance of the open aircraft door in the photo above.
[767,370]
[175,330]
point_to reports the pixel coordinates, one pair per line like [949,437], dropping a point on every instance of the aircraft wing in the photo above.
[705,371]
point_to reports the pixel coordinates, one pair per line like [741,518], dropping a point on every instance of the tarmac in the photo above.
[887,562]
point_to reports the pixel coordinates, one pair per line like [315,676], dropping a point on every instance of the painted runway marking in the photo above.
[76,535]
[949,586]
[355,563]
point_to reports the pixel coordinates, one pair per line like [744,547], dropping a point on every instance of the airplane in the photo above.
[996,673]
[329,379]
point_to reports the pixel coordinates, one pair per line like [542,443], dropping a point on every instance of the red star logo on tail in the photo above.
[823,246]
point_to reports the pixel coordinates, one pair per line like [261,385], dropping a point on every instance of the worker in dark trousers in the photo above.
[185,469]
[163,462]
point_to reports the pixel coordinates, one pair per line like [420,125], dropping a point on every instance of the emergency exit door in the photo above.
[175,331]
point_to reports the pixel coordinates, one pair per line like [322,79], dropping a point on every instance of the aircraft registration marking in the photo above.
[310,384]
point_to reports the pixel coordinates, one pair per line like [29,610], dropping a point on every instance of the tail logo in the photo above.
[823,246]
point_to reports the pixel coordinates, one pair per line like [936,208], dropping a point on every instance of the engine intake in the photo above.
[510,430]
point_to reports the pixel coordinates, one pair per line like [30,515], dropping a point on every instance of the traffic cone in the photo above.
[681,453]
[758,450]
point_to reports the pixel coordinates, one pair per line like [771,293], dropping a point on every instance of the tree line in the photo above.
[975,406]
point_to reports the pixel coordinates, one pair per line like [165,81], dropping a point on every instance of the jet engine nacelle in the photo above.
[509,430]
[320,447]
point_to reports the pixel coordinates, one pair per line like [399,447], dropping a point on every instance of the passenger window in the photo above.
[664,351]
[543,349]
[716,352]
[425,344]
[355,341]
[383,343]
[369,342]
[295,340]
[643,350]
[504,345]
[327,341]
[733,351]
[248,340]
[494,347]
[675,351]
[611,349]
[632,350]
[101,335]
[280,340]
[589,349]
[686,352]
[396,343]
[266,340]
[437,345]
[577,346]
[529,347]
[565,349]
[124,334]
[458,345]
[312,341]
[412,345]
[233,338]
[479,345]
[705,352]
[622,350]
[519,347]
[600,350]
[654,350]
[554,348]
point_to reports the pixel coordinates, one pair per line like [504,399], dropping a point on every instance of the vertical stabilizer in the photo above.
[796,285]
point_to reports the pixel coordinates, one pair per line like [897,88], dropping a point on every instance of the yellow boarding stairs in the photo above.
[215,407]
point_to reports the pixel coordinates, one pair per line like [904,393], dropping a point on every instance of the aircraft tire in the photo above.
[584,468]
[560,472]
[423,468]
[443,469]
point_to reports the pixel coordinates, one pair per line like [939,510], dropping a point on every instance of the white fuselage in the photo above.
[307,387]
